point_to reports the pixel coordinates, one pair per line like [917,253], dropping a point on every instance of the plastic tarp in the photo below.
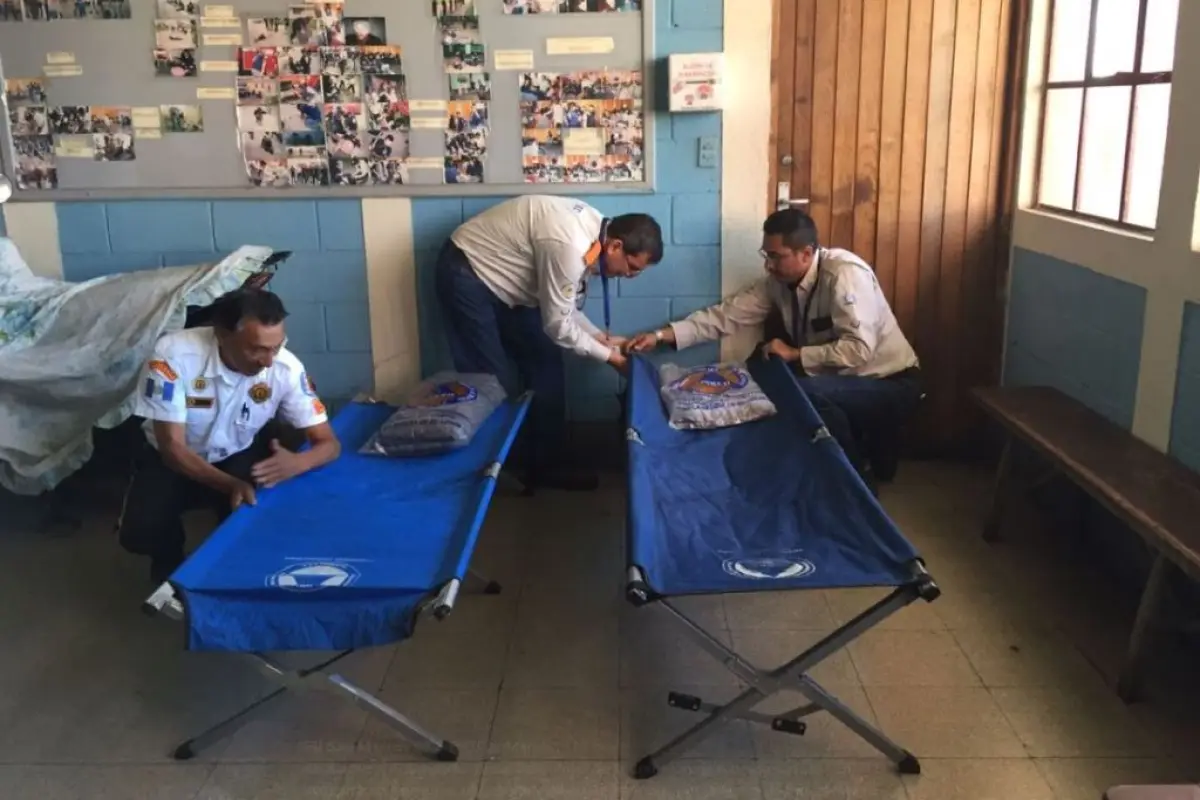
[769,505]
[71,354]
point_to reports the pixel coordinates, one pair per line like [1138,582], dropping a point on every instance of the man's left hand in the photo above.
[277,468]
[778,347]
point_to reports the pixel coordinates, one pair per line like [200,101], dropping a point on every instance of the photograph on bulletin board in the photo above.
[582,127]
[521,7]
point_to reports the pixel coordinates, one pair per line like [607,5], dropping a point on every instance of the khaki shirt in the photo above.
[837,314]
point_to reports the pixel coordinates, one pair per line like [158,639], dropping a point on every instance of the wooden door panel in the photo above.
[892,113]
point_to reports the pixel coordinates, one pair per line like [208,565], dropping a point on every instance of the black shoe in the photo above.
[162,567]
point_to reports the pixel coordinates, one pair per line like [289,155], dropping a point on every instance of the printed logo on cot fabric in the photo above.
[769,568]
[313,576]
[448,394]
[712,381]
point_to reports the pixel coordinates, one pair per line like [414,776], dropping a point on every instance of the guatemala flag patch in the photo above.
[166,389]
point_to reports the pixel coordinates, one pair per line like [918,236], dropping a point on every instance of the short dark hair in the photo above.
[639,234]
[796,228]
[231,309]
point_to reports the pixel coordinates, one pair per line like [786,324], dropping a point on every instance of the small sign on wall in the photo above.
[696,80]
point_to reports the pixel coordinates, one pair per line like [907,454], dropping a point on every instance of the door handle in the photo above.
[783,197]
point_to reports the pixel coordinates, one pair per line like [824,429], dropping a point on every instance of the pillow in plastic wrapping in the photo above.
[443,413]
[712,396]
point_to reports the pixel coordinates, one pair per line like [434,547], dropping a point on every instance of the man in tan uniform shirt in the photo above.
[843,339]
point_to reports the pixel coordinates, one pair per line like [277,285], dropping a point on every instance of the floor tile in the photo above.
[274,782]
[431,781]
[1076,722]
[124,782]
[846,604]
[306,728]
[556,650]
[1010,656]
[911,658]
[806,610]
[831,779]
[945,722]
[978,779]
[695,780]
[467,650]
[550,780]
[1089,778]
[656,650]
[556,724]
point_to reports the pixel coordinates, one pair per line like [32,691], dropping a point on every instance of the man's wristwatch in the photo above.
[659,335]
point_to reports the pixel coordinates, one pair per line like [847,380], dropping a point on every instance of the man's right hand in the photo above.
[645,342]
[240,494]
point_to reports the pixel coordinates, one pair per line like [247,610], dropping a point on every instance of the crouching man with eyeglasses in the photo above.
[843,339]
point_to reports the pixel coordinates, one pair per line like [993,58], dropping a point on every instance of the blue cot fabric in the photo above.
[769,505]
[340,558]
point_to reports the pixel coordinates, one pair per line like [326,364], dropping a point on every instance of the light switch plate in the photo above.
[710,150]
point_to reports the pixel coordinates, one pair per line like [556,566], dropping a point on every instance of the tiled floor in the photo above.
[554,688]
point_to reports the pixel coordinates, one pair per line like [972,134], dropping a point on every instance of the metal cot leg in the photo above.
[792,675]
[1000,493]
[1129,682]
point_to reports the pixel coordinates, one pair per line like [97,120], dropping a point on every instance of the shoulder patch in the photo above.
[163,370]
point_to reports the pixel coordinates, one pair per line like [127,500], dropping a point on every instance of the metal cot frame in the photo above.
[794,675]
[318,677]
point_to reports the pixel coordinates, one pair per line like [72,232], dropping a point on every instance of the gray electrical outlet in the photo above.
[710,151]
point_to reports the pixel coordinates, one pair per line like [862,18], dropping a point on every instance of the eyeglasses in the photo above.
[774,258]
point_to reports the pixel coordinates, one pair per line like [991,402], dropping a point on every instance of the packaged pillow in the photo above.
[712,396]
[443,413]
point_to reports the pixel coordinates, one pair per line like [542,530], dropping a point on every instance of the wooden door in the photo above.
[890,120]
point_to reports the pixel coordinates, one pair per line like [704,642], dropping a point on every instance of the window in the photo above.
[1105,109]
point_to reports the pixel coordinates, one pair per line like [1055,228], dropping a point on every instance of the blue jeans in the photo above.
[864,413]
[485,335]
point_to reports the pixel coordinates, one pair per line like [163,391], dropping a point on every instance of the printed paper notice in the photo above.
[428,122]
[220,22]
[216,93]
[426,105]
[220,12]
[74,147]
[62,70]
[431,162]
[147,133]
[146,117]
[513,59]
[218,66]
[220,39]
[579,45]
[60,57]
[584,142]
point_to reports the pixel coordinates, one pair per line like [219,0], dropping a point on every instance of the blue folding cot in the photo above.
[346,557]
[770,505]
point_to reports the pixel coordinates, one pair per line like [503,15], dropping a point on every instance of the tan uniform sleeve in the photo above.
[747,308]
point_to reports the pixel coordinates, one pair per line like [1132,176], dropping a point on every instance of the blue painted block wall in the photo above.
[1076,330]
[686,203]
[1185,419]
[323,284]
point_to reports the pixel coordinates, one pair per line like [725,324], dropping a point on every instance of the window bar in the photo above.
[1041,133]
[1138,48]
[1087,77]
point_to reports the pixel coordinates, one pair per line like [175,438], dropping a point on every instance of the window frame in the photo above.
[1132,79]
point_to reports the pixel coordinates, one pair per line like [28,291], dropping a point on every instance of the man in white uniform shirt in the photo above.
[843,339]
[511,284]
[209,397]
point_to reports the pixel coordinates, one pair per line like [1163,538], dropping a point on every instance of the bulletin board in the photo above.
[112,99]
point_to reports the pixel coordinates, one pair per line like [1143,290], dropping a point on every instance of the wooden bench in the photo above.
[1152,493]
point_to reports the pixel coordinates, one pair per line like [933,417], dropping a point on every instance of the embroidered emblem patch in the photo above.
[308,385]
[318,407]
[199,384]
[164,370]
[260,392]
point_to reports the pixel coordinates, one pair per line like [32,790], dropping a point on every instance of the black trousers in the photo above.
[158,497]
